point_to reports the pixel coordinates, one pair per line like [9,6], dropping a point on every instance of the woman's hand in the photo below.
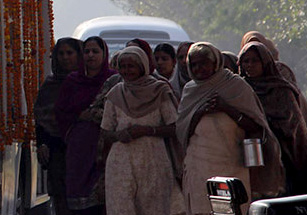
[137,131]
[43,155]
[124,136]
[215,104]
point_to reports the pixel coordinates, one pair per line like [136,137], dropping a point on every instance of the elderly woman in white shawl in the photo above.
[217,111]
[139,112]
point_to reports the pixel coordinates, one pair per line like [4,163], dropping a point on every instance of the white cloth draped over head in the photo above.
[237,93]
[142,96]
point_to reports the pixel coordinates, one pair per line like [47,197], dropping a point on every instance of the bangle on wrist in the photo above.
[240,118]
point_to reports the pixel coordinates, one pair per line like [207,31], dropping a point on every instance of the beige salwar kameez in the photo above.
[215,149]
[139,177]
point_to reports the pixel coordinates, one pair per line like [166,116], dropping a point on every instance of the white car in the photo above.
[117,30]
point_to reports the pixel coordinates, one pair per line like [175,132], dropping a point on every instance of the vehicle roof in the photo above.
[96,26]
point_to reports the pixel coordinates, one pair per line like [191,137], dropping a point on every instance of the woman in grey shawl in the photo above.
[217,111]
[51,151]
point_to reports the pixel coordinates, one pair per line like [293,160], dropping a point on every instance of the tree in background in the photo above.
[224,22]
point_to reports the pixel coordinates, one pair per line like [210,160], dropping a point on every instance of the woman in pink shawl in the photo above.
[81,136]
[217,111]
[280,100]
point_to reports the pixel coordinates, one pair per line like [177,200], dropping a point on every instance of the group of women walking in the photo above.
[143,137]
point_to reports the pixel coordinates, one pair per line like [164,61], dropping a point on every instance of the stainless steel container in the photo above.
[253,153]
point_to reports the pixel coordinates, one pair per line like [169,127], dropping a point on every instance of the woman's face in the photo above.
[165,63]
[129,69]
[67,57]
[251,64]
[93,55]
[202,67]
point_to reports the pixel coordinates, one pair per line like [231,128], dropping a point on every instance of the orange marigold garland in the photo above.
[18,133]
[31,70]
[51,20]
[41,47]
[20,73]
[8,68]
[2,116]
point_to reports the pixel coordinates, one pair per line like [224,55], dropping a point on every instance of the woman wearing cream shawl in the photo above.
[213,144]
[139,112]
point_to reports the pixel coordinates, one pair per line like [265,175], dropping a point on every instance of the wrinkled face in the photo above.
[201,67]
[251,64]
[67,57]
[93,55]
[129,69]
[165,63]
[181,57]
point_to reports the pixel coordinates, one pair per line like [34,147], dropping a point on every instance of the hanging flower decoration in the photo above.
[51,20]
[23,62]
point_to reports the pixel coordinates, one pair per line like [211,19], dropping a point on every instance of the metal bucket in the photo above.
[253,153]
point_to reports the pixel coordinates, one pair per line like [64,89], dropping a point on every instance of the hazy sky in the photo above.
[70,13]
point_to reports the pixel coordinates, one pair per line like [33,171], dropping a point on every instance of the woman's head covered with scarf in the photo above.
[146,48]
[257,36]
[75,44]
[181,76]
[105,51]
[139,57]
[208,51]
[268,63]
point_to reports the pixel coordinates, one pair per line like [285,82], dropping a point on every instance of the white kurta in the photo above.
[139,178]
[214,150]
